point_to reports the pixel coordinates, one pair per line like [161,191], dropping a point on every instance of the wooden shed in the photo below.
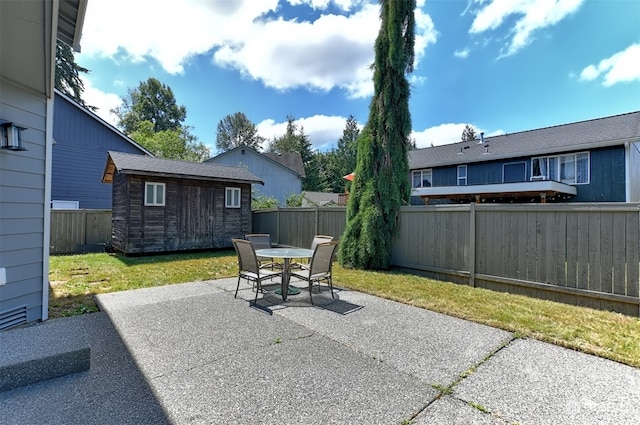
[162,205]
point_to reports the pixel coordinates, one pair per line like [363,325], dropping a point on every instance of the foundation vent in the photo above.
[11,318]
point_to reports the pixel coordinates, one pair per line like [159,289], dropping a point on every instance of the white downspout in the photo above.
[48,155]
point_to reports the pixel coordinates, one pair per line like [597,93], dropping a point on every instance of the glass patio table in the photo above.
[286,254]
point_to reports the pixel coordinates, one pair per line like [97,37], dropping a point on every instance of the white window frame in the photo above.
[515,163]
[462,180]
[153,200]
[232,197]
[554,168]
[421,174]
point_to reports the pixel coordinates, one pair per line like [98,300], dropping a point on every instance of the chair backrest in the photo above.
[320,239]
[247,260]
[322,260]
[259,240]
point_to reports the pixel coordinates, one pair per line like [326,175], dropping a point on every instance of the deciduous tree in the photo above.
[381,183]
[237,130]
[151,101]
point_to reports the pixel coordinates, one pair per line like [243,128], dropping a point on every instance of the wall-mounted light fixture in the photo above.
[11,137]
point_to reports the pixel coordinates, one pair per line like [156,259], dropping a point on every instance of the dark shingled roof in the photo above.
[145,165]
[600,132]
[292,161]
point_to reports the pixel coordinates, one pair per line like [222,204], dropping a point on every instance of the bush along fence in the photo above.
[583,254]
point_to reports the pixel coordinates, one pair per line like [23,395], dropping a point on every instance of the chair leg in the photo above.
[310,288]
[237,287]
[331,286]
[255,300]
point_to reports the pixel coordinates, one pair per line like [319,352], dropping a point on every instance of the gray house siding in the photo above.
[79,154]
[279,182]
[22,185]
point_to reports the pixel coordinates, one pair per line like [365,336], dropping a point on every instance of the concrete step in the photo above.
[45,350]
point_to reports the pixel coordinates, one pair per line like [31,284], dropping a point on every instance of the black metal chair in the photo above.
[249,267]
[320,267]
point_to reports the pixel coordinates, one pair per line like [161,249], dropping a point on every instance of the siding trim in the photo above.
[46,234]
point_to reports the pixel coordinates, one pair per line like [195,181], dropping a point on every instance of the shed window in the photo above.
[421,178]
[232,197]
[154,194]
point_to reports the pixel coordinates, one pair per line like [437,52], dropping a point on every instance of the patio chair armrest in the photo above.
[271,265]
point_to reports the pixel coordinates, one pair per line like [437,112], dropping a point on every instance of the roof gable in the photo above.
[145,165]
[292,162]
[590,134]
[92,115]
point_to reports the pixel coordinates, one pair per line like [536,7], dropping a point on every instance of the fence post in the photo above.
[317,220]
[472,245]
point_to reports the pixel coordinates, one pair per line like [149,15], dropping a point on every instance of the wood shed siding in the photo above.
[194,216]
[22,198]
[80,154]
[279,182]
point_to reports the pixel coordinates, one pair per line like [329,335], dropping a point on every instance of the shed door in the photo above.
[197,223]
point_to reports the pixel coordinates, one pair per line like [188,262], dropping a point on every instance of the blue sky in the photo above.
[502,66]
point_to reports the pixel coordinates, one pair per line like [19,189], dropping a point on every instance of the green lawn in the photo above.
[76,279]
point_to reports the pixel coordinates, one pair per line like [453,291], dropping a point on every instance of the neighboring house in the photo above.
[28,32]
[589,161]
[163,205]
[319,199]
[282,173]
[81,142]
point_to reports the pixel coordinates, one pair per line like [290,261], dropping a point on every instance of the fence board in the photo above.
[618,236]
[595,284]
[632,251]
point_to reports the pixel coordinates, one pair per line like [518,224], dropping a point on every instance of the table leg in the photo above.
[285,279]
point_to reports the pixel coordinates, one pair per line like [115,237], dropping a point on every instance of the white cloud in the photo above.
[531,15]
[333,51]
[462,53]
[442,134]
[445,134]
[622,67]
[101,100]
[323,131]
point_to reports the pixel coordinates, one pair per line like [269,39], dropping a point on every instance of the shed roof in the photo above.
[145,165]
[590,134]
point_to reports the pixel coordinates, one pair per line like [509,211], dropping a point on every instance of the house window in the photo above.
[462,175]
[154,194]
[569,169]
[421,178]
[232,197]
[514,172]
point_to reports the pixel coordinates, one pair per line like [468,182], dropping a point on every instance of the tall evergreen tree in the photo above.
[67,75]
[237,130]
[468,134]
[381,184]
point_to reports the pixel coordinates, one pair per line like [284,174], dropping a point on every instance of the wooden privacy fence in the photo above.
[584,254]
[79,230]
